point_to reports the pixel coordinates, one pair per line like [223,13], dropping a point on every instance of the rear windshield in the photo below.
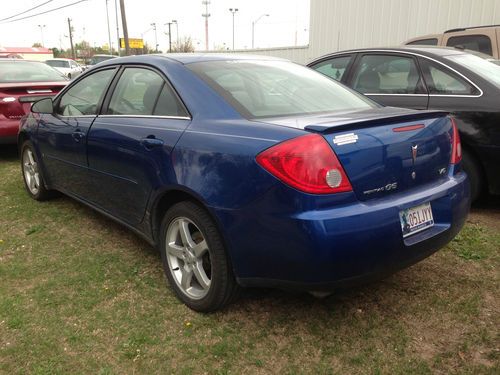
[487,69]
[259,89]
[97,59]
[58,63]
[28,71]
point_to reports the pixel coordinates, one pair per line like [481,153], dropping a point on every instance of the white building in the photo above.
[337,25]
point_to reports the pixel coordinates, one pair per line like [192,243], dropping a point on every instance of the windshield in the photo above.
[490,71]
[260,89]
[28,71]
[98,59]
[58,63]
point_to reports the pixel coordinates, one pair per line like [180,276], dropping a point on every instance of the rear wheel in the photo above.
[194,258]
[473,169]
[32,174]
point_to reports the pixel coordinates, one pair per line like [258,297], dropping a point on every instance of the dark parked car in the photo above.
[248,171]
[23,82]
[440,78]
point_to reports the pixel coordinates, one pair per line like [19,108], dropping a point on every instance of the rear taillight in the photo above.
[306,163]
[456,146]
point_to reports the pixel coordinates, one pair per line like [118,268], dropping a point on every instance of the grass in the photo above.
[79,294]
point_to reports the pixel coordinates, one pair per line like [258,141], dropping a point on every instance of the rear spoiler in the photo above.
[379,119]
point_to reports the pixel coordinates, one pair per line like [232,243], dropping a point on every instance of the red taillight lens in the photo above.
[306,163]
[456,146]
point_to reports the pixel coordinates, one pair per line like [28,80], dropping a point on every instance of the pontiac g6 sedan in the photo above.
[249,171]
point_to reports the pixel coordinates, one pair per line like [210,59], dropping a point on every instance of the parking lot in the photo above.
[81,294]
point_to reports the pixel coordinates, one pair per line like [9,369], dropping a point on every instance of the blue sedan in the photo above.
[248,171]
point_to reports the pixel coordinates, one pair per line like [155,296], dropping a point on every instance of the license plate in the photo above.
[416,219]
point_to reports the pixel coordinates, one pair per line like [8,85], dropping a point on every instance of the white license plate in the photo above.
[416,219]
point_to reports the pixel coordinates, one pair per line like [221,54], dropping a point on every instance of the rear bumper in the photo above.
[342,246]
[8,130]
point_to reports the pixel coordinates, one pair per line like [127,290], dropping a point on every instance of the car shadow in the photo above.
[8,153]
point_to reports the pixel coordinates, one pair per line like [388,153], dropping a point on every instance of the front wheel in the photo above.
[194,258]
[32,175]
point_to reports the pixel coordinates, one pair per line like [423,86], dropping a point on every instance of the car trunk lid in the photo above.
[388,150]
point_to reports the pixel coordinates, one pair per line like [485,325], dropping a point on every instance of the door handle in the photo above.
[151,142]
[78,135]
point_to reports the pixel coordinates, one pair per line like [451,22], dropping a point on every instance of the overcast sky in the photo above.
[287,24]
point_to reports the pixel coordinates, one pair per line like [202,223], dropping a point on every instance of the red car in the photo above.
[22,83]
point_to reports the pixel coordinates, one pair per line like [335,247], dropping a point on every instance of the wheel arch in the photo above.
[172,196]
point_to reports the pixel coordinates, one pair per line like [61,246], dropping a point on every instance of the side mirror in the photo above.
[43,106]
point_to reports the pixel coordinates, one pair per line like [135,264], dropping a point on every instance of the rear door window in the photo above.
[143,92]
[387,74]
[334,68]
[441,80]
[480,43]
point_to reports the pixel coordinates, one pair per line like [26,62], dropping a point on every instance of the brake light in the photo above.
[306,163]
[456,145]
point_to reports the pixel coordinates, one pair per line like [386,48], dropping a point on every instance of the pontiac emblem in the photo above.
[414,153]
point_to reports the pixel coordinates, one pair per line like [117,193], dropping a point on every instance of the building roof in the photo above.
[26,50]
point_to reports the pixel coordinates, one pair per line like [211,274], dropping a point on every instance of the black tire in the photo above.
[41,193]
[223,287]
[473,169]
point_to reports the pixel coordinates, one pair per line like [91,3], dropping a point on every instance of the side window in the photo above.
[168,104]
[83,97]
[480,43]
[387,74]
[333,68]
[136,93]
[442,81]
[424,42]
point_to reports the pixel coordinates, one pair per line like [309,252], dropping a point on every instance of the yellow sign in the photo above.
[132,43]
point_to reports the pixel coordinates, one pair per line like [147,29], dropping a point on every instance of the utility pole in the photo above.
[71,39]
[124,26]
[206,15]
[233,11]
[117,27]
[169,36]
[41,32]
[109,32]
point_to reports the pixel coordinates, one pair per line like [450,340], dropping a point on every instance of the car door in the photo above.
[390,79]
[335,67]
[62,135]
[129,145]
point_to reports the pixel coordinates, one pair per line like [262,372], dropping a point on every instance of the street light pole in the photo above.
[156,36]
[117,28]
[176,31]
[233,11]
[41,32]
[253,27]
[109,31]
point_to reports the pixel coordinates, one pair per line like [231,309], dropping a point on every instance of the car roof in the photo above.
[60,59]
[188,58]
[429,51]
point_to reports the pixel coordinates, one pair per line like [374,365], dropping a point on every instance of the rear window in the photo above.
[58,63]
[424,42]
[28,71]
[260,89]
[489,70]
[480,43]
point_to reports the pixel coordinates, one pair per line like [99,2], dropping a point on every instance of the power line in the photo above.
[26,11]
[47,11]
